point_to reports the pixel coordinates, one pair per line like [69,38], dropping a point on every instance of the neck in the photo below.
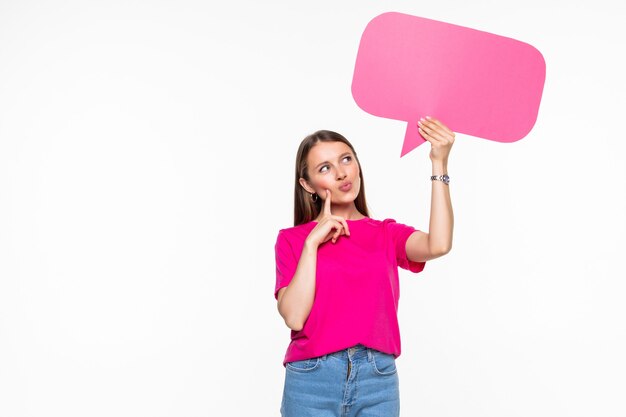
[347,212]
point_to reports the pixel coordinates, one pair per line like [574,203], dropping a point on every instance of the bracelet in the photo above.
[444,178]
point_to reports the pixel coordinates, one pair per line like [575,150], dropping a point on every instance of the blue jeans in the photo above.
[354,382]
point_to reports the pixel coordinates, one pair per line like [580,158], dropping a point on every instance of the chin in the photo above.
[351,198]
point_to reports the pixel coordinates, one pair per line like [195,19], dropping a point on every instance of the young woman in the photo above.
[337,279]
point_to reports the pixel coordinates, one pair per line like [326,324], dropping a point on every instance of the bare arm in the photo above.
[296,299]
[422,246]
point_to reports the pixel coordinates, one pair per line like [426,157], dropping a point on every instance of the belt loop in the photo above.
[324,357]
[369,354]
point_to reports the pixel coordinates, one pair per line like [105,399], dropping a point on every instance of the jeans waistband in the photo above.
[353,352]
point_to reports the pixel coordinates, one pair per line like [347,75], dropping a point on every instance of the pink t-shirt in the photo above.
[356,287]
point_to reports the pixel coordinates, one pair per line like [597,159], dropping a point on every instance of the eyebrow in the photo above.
[340,156]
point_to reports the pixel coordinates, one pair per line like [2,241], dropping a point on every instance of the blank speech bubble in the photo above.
[475,82]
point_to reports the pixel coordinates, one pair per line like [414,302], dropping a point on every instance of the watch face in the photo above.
[446,179]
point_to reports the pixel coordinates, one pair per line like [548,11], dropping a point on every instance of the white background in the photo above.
[146,165]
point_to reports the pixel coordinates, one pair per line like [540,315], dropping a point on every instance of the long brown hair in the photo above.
[305,209]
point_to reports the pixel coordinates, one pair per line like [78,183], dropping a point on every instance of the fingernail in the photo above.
[428,117]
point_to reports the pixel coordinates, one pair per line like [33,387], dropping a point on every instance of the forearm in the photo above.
[297,300]
[441,216]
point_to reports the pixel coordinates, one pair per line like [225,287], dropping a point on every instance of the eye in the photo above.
[349,158]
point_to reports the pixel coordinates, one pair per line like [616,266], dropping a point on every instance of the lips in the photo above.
[346,187]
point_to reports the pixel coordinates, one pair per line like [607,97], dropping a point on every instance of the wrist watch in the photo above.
[443,178]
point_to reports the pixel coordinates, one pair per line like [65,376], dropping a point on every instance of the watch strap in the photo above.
[443,178]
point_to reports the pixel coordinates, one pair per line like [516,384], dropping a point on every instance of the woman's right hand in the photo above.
[329,227]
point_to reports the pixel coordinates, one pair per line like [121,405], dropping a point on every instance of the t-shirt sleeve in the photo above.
[286,262]
[399,234]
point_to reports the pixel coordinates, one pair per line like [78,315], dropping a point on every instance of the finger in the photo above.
[344,223]
[327,203]
[440,124]
[433,130]
[346,228]
[427,136]
[337,234]
[437,126]
[341,227]
[444,127]
[329,235]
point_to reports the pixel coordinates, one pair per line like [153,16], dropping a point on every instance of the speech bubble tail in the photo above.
[412,139]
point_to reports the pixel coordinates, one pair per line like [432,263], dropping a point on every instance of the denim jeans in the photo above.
[354,382]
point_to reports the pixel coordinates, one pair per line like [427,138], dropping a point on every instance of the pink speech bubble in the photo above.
[475,82]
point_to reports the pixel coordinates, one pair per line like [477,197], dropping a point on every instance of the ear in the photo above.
[306,186]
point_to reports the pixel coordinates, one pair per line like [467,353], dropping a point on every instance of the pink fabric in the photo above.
[356,287]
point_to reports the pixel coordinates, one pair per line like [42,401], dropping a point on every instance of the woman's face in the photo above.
[332,165]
